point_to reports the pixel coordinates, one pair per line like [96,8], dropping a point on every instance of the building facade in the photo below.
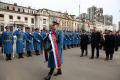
[108,20]
[13,15]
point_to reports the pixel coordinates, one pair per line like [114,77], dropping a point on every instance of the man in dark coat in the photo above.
[95,41]
[84,44]
[109,45]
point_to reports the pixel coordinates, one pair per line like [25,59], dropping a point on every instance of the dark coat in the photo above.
[110,43]
[95,38]
[84,39]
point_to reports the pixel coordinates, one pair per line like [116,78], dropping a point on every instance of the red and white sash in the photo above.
[56,54]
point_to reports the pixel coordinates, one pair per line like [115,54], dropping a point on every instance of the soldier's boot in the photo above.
[7,57]
[19,55]
[49,74]
[29,54]
[10,57]
[59,72]
[48,77]
[37,52]
[22,55]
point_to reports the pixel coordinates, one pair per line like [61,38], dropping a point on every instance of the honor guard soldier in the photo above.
[7,41]
[37,41]
[20,43]
[55,50]
[29,42]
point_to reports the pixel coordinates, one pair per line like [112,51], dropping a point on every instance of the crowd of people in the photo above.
[55,41]
[32,42]
[108,41]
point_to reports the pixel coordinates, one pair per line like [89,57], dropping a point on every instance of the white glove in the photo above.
[38,40]
[15,37]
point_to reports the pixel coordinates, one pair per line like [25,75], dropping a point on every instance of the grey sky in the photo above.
[111,7]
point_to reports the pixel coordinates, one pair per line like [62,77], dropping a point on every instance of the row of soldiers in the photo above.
[71,39]
[25,41]
[108,41]
[32,41]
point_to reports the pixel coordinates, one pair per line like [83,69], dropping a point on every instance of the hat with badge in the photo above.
[36,28]
[7,27]
[27,27]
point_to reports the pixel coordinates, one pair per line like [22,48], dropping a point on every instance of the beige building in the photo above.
[13,15]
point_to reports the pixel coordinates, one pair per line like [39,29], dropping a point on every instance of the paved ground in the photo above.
[74,68]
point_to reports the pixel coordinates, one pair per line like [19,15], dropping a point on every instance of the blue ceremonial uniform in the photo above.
[37,41]
[7,42]
[20,43]
[29,43]
[65,40]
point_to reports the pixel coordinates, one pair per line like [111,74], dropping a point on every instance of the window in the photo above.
[10,17]
[23,10]
[1,15]
[32,20]
[7,7]
[18,9]
[26,19]
[32,12]
[2,28]
[44,21]
[14,8]
[19,17]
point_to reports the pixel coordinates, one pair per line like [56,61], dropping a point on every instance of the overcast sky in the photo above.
[110,7]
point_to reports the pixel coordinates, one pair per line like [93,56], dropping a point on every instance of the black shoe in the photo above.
[47,78]
[91,57]
[58,73]
[81,55]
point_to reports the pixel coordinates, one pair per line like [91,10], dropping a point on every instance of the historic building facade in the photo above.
[13,15]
